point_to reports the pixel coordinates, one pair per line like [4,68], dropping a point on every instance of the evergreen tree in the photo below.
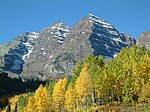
[21,103]
[76,72]
[50,86]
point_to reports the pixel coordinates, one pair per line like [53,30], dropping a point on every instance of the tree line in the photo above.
[124,79]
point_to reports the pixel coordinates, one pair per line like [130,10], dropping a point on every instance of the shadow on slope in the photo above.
[10,87]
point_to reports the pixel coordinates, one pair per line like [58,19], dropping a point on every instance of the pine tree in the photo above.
[21,103]
[50,86]
[76,72]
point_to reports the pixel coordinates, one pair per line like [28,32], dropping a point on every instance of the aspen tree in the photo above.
[30,105]
[41,98]
[59,95]
[70,98]
[83,88]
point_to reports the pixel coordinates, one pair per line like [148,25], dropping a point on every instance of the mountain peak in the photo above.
[33,35]
[58,48]
[92,15]
[99,21]
[60,26]
[59,23]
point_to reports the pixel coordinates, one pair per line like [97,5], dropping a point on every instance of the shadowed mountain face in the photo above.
[53,52]
[10,87]
[144,39]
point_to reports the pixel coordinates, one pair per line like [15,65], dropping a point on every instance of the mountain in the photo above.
[53,52]
[144,39]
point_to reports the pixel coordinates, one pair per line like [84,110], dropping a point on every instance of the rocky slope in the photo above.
[50,39]
[90,35]
[13,55]
[144,39]
[53,52]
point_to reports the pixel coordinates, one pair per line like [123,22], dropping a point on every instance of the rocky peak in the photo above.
[90,35]
[53,52]
[50,39]
[57,31]
[128,39]
[99,21]
[144,39]
[105,36]
[61,26]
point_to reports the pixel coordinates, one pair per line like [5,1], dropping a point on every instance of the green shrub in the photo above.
[147,108]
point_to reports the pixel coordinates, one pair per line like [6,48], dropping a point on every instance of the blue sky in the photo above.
[19,16]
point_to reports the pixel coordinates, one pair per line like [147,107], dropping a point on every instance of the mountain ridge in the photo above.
[53,52]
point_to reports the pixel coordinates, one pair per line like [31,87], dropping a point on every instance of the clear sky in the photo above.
[19,16]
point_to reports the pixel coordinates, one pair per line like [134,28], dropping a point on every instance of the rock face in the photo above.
[50,39]
[14,54]
[90,35]
[53,52]
[144,39]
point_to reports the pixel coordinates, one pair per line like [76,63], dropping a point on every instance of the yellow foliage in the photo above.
[145,93]
[70,98]
[41,98]
[13,100]
[59,94]
[30,105]
[83,87]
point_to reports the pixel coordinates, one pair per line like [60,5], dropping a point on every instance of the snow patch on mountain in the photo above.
[50,56]
[32,36]
[113,32]
[115,55]
[117,39]
[42,49]
[59,31]
[99,21]
[60,41]
[28,54]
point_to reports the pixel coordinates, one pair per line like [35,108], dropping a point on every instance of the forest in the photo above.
[96,86]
